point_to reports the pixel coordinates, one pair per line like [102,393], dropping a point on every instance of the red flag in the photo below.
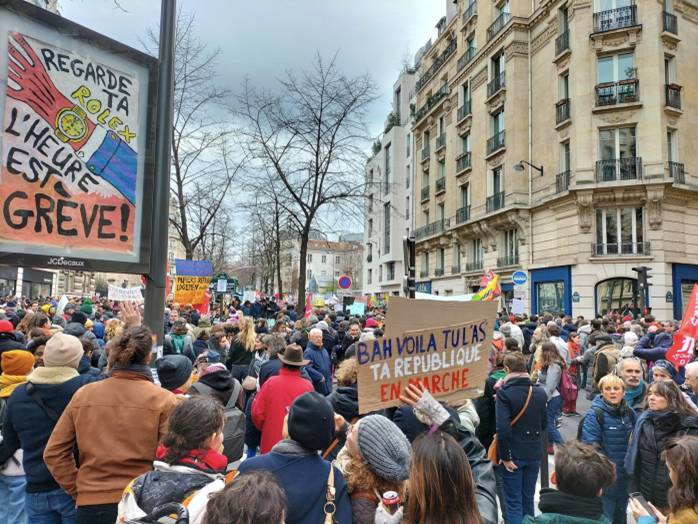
[681,351]
[308,306]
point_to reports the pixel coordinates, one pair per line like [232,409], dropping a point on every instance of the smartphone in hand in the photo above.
[643,502]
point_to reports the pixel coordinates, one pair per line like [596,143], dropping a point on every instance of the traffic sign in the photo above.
[344,282]
[519,278]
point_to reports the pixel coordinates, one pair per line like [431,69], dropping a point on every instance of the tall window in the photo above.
[441,254]
[336,259]
[439,212]
[425,263]
[441,169]
[407,208]
[607,5]
[386,177]
[425,179]
[425,217]
[380,273]
[396,102]
[465,195]
[370,227]
[496,178]
[465,143]
[386,228]
[503,8]
[563,18]
[465,94]
[309,274]
[370,203]
[672,146]
[407,177]
[408,142]
[324,259]
[565,160]
[497,65]
[470,44]
[511,246]
[370,276]
[310,257]
[617,143]
[669,70]
[615,68]
[456,258]
[564,85]
[619,231]
[476,252]
[390,270]
[497,121]
[441,127]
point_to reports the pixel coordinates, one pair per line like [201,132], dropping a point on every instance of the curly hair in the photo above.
[113,329]
[347,372]
[251,498]
[360,478]
[132,347]
[190,425]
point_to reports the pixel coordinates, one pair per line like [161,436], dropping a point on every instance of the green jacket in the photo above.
[557,518]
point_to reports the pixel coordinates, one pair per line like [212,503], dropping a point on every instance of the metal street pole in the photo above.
[155,284]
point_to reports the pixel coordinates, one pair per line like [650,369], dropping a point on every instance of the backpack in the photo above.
[233,427]
[568,389]
[610,355]
[600,416]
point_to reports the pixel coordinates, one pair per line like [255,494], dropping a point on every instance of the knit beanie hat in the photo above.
[384,448]
[173,370]
[630,338]
[86,307]
[63,351]
[664,365]
[17,362]
[79,317]
[311,421]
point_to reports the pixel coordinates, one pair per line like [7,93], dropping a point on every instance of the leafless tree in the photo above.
[203,160]
[312,136]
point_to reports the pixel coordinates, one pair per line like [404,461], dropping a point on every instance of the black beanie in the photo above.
[173,370]
[79,317]
[311,421]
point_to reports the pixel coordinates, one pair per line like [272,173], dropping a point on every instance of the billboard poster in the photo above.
[75,121]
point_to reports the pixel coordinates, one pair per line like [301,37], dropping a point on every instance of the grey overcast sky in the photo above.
[260,39]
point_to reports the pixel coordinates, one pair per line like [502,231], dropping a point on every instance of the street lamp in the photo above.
[520,167]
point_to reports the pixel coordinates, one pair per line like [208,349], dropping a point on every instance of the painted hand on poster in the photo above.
[104,148]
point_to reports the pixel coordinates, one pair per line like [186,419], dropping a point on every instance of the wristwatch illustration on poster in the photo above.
[69,150]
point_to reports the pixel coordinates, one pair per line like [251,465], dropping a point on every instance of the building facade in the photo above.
[389,202]
[557,142]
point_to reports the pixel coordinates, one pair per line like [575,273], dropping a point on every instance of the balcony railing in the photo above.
[669,23]
[462,214]
[439,272]
[455,270]
[562,110]
[473,266]
[470,12]
[432,229]
[424,273]
[466,58]
[621,92]
[628,168]
[425,193]
[495,202]
[562,182]
[426,151]
[464,110]
[676,171]
[498,83]
[431,102]
[497,26]
[511,259]
[438,62]
[495,142]
[673,95]
[623,248]
[463,162]
[440,141]
[615,18]
[440,185]
[562,42]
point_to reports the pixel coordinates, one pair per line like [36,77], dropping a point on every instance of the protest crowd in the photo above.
[251,415]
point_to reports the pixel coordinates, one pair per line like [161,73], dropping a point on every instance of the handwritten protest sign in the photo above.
[442,345]
[193,279]
[132,294]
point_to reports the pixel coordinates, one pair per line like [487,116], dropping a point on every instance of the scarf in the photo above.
[554,501]
[288,446]
[633,445]
[138,369]
[206,460]
[634,393]
[510,376]
[8,383]
[52,375]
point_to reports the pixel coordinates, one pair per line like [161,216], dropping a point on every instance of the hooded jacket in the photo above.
[8,342]
[662,343]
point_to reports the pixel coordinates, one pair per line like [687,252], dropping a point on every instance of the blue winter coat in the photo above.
[661,344]
[304,480]
[524,440]
[613,437]
[320,366]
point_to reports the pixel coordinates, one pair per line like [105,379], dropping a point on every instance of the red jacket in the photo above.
[270,405]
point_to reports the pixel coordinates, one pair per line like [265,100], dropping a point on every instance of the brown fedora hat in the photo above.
[293,356]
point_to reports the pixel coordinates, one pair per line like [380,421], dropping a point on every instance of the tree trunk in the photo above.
[277,246]
[302,265]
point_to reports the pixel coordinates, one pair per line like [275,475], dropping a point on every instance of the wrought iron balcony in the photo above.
[621,92]
[495,142]
[615,18]
[432,101]
[462,214]
[440,141]
[455,270]
[439,272]
[440,185]
[623,248]
[562,181]
[562,42]
[470,12]
[426,151]
[673,95]
[436,65]
[628,168]
[463,162]
[562,110]
[511,259]
[434,228]
[425,193]
[464,110]
[466,58]
[497,26]
[473,266]
[497,84]
[676,171]
[669,23]
[495,202]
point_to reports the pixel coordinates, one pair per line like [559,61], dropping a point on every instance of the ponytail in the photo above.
[133,346]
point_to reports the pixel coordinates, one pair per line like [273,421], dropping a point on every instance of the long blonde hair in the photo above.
[247,335]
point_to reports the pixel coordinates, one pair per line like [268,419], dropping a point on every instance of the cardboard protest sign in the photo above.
[73,146]
[441,345]
[193,279]
[132,294]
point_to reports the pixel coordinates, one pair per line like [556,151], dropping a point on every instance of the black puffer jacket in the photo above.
[651,476]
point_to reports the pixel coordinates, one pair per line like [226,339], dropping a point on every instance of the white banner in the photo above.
[132,294]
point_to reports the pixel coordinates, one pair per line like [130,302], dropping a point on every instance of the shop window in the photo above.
[551,297]
[615,294]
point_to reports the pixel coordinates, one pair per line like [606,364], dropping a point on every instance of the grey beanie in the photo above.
[384,448]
